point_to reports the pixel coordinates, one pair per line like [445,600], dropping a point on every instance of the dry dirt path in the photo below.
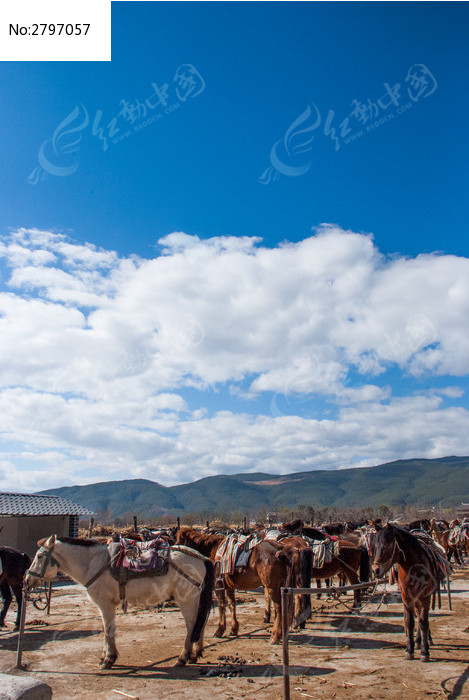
[338,655]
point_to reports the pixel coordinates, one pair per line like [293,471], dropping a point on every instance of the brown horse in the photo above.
[419,577]
[443,539]
[264,569]
[13,566]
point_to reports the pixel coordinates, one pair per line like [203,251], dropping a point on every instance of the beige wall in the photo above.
[23,532]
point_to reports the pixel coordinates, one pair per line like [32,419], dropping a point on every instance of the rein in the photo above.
[101,571]
[171,563]
[388,564]
[49,559]
[182,573]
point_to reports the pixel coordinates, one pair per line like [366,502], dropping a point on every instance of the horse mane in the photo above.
[198,539]
[405,537]
[314,533]
[82,542]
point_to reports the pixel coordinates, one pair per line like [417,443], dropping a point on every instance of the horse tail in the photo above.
[306,558]
[205,600]
[364,564]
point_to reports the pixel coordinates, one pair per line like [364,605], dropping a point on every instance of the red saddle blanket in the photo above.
[141,557]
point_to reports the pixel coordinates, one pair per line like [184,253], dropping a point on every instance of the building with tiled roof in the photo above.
[26,518]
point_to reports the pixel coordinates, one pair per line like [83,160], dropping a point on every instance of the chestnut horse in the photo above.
[264,569]
[418,575]
[13,566]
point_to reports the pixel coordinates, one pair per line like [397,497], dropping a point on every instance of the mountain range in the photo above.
[441,482]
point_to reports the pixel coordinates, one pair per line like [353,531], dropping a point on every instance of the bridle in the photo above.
[387,565]
[48,560]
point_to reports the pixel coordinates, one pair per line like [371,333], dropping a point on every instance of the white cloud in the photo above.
[95,351]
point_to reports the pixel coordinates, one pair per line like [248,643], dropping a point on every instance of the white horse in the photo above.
[189,580]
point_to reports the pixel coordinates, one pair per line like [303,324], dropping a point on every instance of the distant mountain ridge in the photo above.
[428,482]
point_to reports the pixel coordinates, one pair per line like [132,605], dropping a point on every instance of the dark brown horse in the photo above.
[13,566]
[263,569]
[419,577]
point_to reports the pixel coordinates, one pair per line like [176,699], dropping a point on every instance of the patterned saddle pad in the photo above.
[458,535]
[234,552]
[134,559]
[323,550]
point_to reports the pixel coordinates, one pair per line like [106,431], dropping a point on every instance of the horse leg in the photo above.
[188,606]
[230,594]
[318,585]
[267,606]
[6,595]
[409,631]
[221,599]
[108,615]
[353,580]
[277,628]
[424,631]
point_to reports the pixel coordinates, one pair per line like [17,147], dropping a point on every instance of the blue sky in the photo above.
[171,306]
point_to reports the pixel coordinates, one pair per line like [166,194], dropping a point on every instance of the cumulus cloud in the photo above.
[96,352]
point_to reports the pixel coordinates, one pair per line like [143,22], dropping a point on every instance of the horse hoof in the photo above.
[274,641]
[107,663]
[409,656]
[233,633]
[219,633]
[266,618]
[179,662]
[424,658]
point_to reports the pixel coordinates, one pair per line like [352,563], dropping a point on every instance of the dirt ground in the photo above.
[338,655]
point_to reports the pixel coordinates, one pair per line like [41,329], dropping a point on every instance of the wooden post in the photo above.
[90,532]
[19,651]
[245,521]
[207,523]
[135,523]
[285,657]
[178,524]
[49,596]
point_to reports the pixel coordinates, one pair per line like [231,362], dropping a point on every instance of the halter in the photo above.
[48,559]
[388,564]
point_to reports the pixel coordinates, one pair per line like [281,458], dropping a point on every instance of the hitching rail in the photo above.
[285,593]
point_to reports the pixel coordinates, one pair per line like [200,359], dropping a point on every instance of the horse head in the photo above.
[44,565]
[386,550]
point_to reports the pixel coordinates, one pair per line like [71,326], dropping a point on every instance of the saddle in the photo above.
[234,552]
[458,535]
[131,559]
[323,550]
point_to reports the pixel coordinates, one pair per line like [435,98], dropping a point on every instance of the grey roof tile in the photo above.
[30,504]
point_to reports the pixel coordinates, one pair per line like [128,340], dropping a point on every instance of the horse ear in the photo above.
[378,526]
[50,542]
[41,541]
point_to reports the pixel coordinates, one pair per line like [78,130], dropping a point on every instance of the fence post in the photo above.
[135,523]
[90,532]
[19,651]
[178,524]
[285,656]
